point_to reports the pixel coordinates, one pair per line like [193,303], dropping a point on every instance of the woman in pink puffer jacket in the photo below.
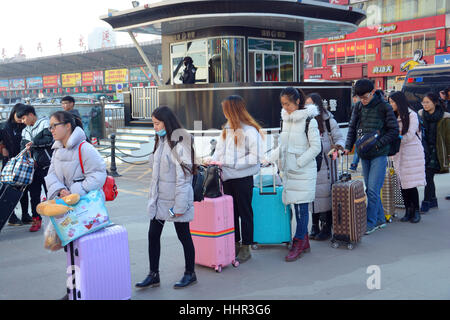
[409,162]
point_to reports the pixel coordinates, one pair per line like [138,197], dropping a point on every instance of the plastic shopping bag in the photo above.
[87,216]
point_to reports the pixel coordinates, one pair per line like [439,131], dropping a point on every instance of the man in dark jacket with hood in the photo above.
[370,115]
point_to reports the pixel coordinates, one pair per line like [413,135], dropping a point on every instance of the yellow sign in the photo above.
[116,76]
[71,79]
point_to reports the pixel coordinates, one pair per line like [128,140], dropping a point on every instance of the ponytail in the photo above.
[67,117]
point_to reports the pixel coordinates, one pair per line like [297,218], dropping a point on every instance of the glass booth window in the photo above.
[197,51]
[272,60]
[226,60]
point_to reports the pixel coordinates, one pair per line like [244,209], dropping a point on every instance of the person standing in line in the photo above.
[296,155]
[409,162]
[436,144]
[11,135]
[371,115]
[240,151]
[37,138]
[171,196]
[331,139]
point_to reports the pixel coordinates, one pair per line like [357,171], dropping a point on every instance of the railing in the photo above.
[144,101]
[114,118]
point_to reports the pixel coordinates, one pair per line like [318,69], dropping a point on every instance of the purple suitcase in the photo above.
[102,266]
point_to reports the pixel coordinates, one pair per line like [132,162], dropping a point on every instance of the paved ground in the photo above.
[413,260]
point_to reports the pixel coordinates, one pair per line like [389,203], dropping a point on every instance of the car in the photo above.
[423,79]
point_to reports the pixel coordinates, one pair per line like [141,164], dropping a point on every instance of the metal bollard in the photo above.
[113,169]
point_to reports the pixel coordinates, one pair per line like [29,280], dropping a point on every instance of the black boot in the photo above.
[408,214]
[327,220]
[188,279]
[152,280]
[415,215]
[315,229]
[14,221]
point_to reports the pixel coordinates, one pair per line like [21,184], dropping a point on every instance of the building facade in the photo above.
[395,37]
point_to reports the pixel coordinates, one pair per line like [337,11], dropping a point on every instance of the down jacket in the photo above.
[65,169]
[322,203]
[409,162]
[170,187]
[241,160]
[296,155]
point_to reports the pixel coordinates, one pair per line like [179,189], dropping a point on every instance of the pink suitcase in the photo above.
[212,232]
[102,266]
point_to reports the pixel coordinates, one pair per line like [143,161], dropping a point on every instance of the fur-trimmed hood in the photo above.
[311,110]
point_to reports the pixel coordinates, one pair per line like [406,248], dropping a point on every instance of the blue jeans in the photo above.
[355,159]
[302,216]
[374,171]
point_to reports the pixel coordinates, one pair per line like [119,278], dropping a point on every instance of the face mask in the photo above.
[161,133]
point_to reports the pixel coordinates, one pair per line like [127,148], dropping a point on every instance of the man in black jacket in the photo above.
[39,140]
[188,76]
[370,115]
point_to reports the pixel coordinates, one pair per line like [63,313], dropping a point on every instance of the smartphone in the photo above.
[171,213]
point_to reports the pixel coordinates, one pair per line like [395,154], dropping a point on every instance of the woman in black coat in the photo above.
[11,135]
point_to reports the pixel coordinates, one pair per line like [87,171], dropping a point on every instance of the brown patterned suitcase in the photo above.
[349,212]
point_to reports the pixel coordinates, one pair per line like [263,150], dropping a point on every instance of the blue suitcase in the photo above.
[271,218]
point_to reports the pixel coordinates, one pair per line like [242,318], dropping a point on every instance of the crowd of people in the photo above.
[308,131]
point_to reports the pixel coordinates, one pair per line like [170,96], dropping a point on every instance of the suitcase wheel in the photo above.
[334,245]
[235,263]
[350,246]
[255,247]
[218,269]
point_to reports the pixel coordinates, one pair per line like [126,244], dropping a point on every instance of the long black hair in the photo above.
[171,123]
[402,109]
[17,107]
[293,95]
[317,100]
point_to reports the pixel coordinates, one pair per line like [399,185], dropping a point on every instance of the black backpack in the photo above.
[319,157]
[197,183]
[207,183]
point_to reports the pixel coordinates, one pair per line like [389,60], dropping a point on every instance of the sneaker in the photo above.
[353,167]
[370,230]
[26,219]
[14,221]
[381,225]
[36,225]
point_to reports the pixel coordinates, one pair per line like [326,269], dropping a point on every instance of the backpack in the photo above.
[109,188]
[319,157]
[198,181]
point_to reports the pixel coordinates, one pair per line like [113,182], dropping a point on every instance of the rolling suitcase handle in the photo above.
[261,184]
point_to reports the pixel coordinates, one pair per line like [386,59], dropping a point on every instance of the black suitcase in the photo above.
[9,198]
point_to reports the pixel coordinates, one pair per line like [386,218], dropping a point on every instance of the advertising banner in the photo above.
[34,83]
[16,84]
[71,80]
[51,81]
[140,74]
[4,85]
[92,78]
[116,76]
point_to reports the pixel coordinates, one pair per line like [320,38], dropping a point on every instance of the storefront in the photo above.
[382,53]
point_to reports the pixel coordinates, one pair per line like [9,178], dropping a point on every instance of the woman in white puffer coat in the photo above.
[297,162]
